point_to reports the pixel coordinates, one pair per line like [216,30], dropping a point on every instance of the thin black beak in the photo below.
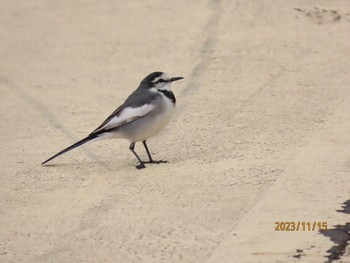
[175,79]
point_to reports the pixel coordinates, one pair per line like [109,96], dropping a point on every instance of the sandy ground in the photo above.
[262,131]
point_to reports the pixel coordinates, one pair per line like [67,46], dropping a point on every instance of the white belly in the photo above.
[149,126]
[155,126]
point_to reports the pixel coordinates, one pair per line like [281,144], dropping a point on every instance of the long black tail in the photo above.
[75,145]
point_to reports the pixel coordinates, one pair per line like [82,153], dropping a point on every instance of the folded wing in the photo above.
[122,116]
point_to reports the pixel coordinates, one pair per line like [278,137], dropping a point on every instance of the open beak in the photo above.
[175,79]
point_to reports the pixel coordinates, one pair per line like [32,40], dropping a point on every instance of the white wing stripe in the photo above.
[127,115]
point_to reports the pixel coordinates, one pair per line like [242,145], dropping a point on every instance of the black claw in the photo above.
[151,161]
[140,166]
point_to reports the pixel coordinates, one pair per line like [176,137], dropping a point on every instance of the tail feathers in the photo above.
[75,145]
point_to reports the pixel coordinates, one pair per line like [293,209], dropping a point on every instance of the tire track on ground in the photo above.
[207,49]
[47,115]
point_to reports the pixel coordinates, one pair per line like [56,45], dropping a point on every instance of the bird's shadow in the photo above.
[81,165]
[58,165]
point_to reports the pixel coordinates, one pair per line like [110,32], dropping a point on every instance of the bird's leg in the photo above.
[141,165]
[150,157]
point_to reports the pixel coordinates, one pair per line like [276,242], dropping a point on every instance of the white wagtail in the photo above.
[143,114]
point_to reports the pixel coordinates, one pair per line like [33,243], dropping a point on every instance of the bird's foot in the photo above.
[156,162]
[140,166]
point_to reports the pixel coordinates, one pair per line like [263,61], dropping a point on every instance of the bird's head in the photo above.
[159,81]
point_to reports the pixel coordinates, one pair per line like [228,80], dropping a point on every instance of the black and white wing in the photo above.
[123,115]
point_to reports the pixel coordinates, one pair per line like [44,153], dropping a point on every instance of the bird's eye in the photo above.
[161,80]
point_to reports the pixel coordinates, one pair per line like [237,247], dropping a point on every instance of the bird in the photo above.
[142,115]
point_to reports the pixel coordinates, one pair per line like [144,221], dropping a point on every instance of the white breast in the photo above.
[150,125]
[158,122]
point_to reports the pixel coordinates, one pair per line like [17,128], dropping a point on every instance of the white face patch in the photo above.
[166,86]
[128,114]
[163,76]
[156,79]
[162,85]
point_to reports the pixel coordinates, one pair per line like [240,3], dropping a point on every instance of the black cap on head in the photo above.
[157,78]
[149,79]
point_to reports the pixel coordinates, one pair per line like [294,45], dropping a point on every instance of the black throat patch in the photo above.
[169,94]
